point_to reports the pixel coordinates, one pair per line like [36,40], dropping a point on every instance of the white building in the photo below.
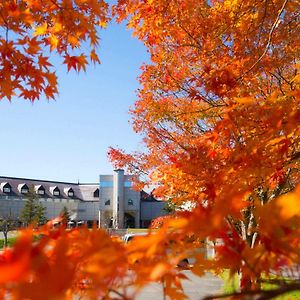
[112,200]
[119,203]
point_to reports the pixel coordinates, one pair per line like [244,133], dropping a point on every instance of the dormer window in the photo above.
[96,193]
[107,202]
[55,191]
[69,192]
[6,187]
[39,189]
[6,190]
[23,188]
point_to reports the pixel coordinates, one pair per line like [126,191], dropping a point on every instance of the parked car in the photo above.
[129,236]
[184,263]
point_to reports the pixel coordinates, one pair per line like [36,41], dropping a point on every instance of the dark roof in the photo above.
[148,197]
[39,187]
[87,191]
[38,180]
[82,192]
[5,184]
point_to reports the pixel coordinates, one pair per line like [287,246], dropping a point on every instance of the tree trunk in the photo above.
[5,233]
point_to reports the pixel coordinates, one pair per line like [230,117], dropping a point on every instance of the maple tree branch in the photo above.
[138,169]
[199,46]
[262,23]
[57,5]
[279,81]
[170,136]
[119,294]
[211,102]
[268,42]
[279,76]
[186,45]
[295,156]
[6,26]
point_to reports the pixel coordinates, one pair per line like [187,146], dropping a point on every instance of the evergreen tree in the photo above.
[65,214]
[33,211]
[40,214]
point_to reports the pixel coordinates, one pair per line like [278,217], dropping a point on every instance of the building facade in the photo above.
[119,203]
[112,201]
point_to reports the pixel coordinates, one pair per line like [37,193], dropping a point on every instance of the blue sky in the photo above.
[67,139]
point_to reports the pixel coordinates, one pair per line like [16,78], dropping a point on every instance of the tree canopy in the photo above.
[33,30]
[8,223]
[218,110]
[219,114]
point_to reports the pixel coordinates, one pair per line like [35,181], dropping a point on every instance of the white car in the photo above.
[184,263]
[129,236]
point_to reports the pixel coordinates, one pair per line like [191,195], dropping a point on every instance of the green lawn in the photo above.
[231,285]
[10,242]
[287,296]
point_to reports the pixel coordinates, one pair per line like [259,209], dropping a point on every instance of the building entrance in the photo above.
[129,221]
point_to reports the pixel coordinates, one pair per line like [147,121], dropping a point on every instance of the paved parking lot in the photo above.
[196,288]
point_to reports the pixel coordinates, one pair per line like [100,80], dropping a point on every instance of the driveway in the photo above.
[196,288]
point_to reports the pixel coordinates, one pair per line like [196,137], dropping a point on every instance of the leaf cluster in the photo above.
[32,30]
[219,113]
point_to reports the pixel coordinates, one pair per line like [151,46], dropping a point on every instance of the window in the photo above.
[96,193]
[23,188]
[106,184]
[130,202]
[127,184]
[56,193]
[6,189]
[40,190]
[107,202]
[68,191]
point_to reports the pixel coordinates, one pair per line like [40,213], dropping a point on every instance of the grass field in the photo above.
[231,285]
[10,242]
